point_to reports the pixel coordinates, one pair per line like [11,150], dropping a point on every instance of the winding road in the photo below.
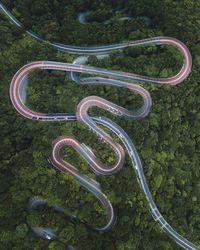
[112,78]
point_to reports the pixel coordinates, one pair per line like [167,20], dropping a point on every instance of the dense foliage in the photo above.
[167,140]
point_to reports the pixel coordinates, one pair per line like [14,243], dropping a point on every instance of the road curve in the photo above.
[113,78]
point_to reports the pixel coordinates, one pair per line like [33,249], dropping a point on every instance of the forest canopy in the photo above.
[168,140]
